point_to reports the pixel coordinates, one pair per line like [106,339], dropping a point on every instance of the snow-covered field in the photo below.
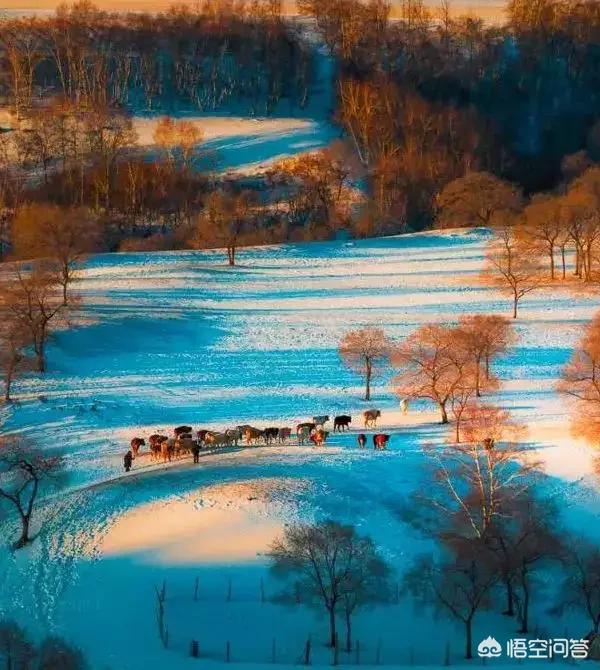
[180,338]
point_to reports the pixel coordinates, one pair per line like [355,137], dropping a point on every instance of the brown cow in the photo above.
[371,416]
[284,434]
[253,435]
[319,437]
[218,439]
[380,441]
[155,441]
[135,445]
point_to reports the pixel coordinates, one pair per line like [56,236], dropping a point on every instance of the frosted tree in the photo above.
[366,351]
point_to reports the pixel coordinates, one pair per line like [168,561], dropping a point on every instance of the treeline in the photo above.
[428,98]
[218,53]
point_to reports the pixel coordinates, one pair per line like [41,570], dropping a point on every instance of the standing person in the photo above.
[196,452]
[127,460]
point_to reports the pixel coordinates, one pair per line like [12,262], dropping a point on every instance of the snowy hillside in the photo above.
[181,338]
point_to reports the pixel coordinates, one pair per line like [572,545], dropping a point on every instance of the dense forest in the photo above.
[423,101]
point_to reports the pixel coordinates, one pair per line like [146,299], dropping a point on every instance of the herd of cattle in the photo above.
[182,443]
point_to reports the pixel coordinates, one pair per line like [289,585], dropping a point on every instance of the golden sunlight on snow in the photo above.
[224,523]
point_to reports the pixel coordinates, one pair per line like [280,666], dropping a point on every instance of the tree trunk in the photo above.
[332,627]
[8,377]
[510,603]
[444,413]
[65,283]
[552,269]
[457,432]
[515,306]
[348,631]
[24,539]
[478,378]
[524,614]
[231,255]
[564,262]
[369,373]
[41,355]
[469,638]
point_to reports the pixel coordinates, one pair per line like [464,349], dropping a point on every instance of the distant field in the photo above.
[491,10]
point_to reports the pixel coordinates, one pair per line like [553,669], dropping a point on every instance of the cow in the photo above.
[155,442]
[380,441]
[304,434]
[235,435]
[320,420]
[362,440]
[135,445]
[243,428]
[184,446]
[319,437]
[167,447]
[201,435]
[371,416]
[404,405]
[341,422]
[253,435]
[284,434]
[182,430]
[271,434]
[218,439]
[307,424]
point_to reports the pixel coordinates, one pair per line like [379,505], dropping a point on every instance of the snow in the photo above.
[179,337]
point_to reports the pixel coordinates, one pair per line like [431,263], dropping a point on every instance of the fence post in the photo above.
[194,649]
[228,652]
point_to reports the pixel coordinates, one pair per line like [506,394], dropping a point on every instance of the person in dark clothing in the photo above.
[196,452]
[127,460]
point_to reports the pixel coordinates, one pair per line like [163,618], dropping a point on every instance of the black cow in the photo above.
[341,422]
[271,434]
[183,430]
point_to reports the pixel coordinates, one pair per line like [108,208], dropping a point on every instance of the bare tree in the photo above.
[333,567]
[31,298]
[473,200]
[432,363]
[14,339]
[63,235]
[484,337]
[460,586]
[523,543]
[365,351]
[581,381]
[544,227]
[513,266]
[580,589]
[24,470]
[225,217]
